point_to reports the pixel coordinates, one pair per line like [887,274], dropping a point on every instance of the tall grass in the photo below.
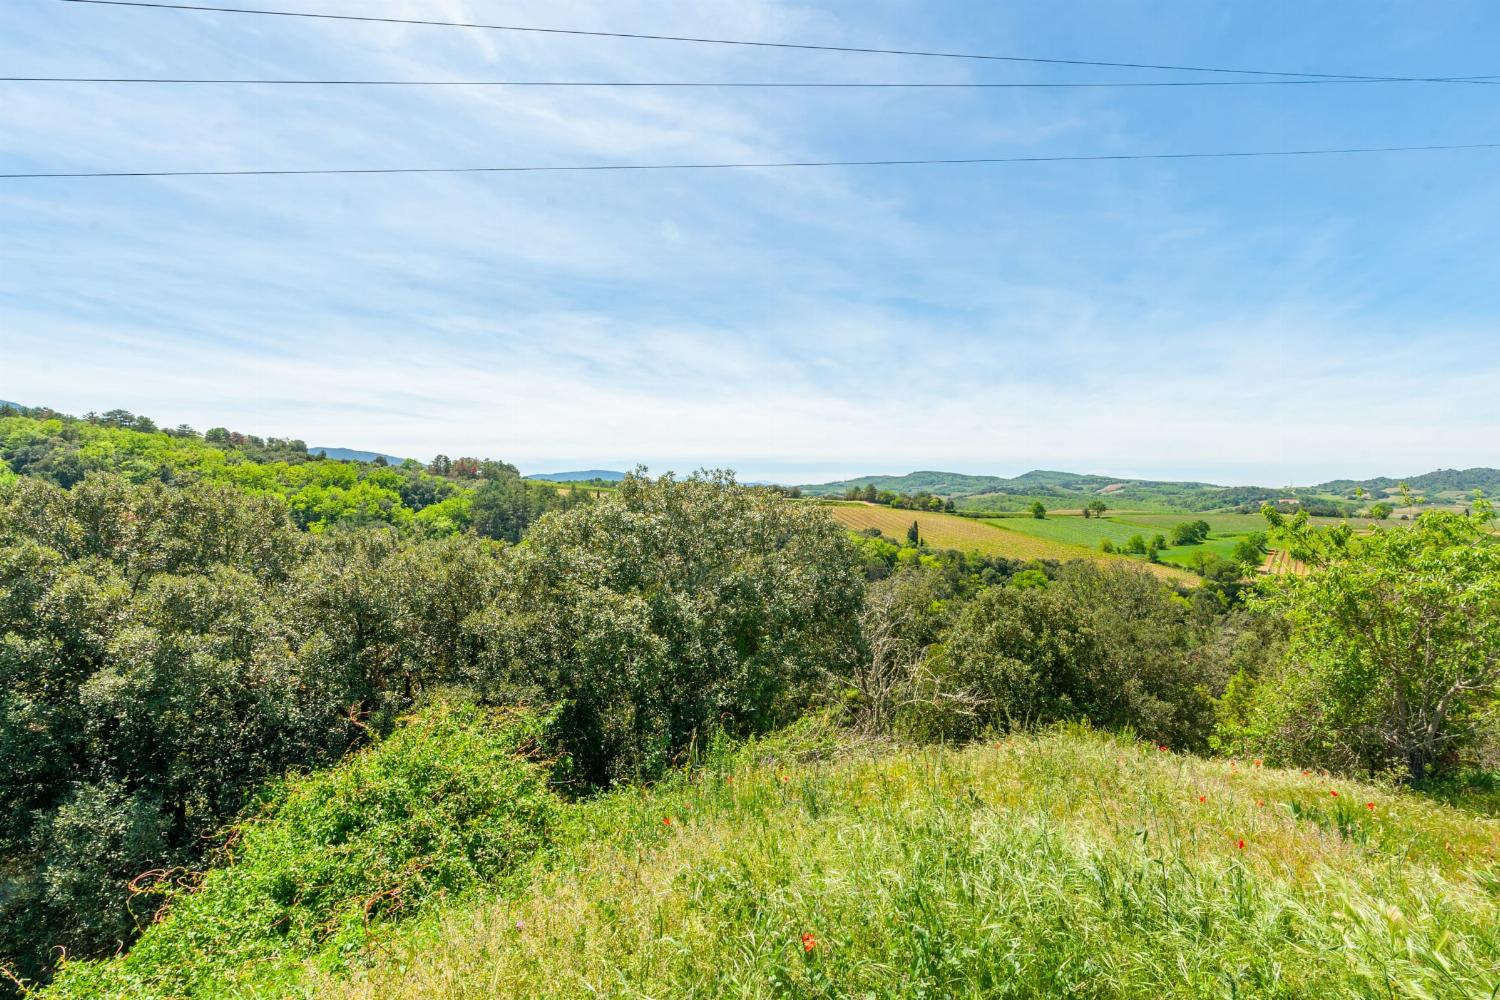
[1066,865]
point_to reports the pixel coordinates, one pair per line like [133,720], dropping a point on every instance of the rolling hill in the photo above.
[585,475]
[355,455]
[1071,490]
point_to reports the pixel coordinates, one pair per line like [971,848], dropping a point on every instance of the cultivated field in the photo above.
[999,537]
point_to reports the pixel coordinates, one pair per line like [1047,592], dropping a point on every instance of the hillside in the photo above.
[1070,490]
[1456,483]
[806,865]
[586,475]
[354,455]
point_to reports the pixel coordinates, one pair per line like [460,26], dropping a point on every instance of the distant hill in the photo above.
[1072,489]
[6,402]
[1454,482]
[1052,487]
[354,455]
[578,477]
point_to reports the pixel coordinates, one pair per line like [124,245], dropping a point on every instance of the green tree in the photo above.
[1098,508]
[1190,533]
[914,534]
[1380,511]
[1394,656]
[1038,509]
[667,610]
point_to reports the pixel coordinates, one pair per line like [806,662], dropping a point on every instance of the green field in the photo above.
[1071,529]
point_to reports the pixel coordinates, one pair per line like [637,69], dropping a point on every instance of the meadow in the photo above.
[1066,864]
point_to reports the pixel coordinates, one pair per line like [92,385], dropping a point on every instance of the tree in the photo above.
[1098,508]
[1394,656]
[914,534]
[1110,645]
[1135,545]
[1038,509]
[1190,533]
[1380,511]
[1251,550]
[667,610]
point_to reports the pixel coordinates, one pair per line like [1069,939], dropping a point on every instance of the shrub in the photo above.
[1394,658]
[667,609]
[444,806]
[1110,645]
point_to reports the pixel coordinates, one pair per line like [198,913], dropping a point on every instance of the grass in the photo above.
[1008,537]
[1069,864]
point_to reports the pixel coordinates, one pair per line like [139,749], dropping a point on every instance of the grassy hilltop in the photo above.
[1068,863]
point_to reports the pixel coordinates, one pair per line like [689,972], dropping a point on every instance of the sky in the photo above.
[1265,321]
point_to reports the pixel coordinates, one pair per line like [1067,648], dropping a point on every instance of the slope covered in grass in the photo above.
[443,807]
[1065,865]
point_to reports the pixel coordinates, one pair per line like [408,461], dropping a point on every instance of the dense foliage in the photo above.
[1394,660]
[668,610]
[167,649]
[446,497]
[444,806]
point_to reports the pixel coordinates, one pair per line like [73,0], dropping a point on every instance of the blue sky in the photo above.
[1264,321]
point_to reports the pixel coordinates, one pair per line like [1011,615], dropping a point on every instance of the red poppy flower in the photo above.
[1162,748]
[808,942]
[1370,806]
[1203,798]
[1333,793]
[1307,772]
[1242,845]
[666,821]
[729,780]
[1257,763]
[1260,805]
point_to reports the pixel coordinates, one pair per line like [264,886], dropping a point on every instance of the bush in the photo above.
[444,806]
[1394,658]
[668,609]
[1110,645]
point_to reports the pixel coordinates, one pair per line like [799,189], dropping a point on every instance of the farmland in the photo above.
[1013,538]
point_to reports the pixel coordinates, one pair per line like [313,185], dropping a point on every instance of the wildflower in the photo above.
[520,924]
[1260,804]
[808,942]
[1333,793]
[1257,762]
[729,780]
[666,821]
[1203,798]
[1162,748]
[1242,844]
[785,779]
[1370,806]
[1307,772]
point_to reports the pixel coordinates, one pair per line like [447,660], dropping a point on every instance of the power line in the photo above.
[606,167]
[803,46]
[789,85]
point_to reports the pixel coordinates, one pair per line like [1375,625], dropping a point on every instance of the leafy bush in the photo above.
[1394,658]
[1110,645]
[671,608]
[443,806]
[166,650]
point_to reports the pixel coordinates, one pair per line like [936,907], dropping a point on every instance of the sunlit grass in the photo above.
[1063,865]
